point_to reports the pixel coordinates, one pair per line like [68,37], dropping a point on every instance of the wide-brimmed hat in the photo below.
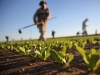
[42,2]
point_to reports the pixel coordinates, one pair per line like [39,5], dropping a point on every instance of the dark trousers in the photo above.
[85,33]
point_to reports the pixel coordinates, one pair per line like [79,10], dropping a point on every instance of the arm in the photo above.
[35,16]
[48,14]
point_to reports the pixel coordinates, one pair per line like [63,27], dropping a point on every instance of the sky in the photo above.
[15,14]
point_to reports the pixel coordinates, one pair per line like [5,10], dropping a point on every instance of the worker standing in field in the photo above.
[78,33]
[95,32]
[84,27]
[7,38]
[42,15]
[53,33]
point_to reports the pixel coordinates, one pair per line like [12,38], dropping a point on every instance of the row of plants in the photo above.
[44,50]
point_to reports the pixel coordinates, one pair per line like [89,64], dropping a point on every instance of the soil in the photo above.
[16,64]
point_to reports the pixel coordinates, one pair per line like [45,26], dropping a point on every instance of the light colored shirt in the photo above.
[41,14]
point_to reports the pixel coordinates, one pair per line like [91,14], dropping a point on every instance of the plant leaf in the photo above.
[70,58]
[63,49]
[82,52]
[56,56]
[92,62]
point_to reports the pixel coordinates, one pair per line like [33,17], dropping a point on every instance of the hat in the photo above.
[42,2]
[86,19]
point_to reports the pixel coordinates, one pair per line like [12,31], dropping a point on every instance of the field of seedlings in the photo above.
[59,56]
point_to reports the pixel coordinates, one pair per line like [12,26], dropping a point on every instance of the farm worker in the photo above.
[78,33]
[7,38]
[84,27]
[42,15]
[53,33]
[95,32]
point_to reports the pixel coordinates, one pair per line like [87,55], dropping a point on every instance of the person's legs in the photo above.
[42,33]
[40,38]
[42,30]
[53,36]
[86,32]
[43,36]
[83,33]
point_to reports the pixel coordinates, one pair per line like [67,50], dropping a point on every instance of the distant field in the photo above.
[89,36]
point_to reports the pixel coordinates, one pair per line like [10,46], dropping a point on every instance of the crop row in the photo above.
[44,50]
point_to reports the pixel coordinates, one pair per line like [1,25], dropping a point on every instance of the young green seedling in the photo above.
[92,59]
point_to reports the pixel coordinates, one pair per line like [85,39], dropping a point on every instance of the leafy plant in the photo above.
[22,50]
[61,57]
[82,44]
[42,53]
[92,59]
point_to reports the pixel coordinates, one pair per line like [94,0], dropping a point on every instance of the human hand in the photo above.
[45,19]
[36,22]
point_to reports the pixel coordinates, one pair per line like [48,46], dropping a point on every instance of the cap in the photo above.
[42,2]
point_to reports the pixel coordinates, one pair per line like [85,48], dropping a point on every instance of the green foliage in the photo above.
[43,50]
[46,53]
[81,44]
[63,49]
[92,58]
[56,56]
[42,53]
[61,57]
[22,50]
[70,44]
